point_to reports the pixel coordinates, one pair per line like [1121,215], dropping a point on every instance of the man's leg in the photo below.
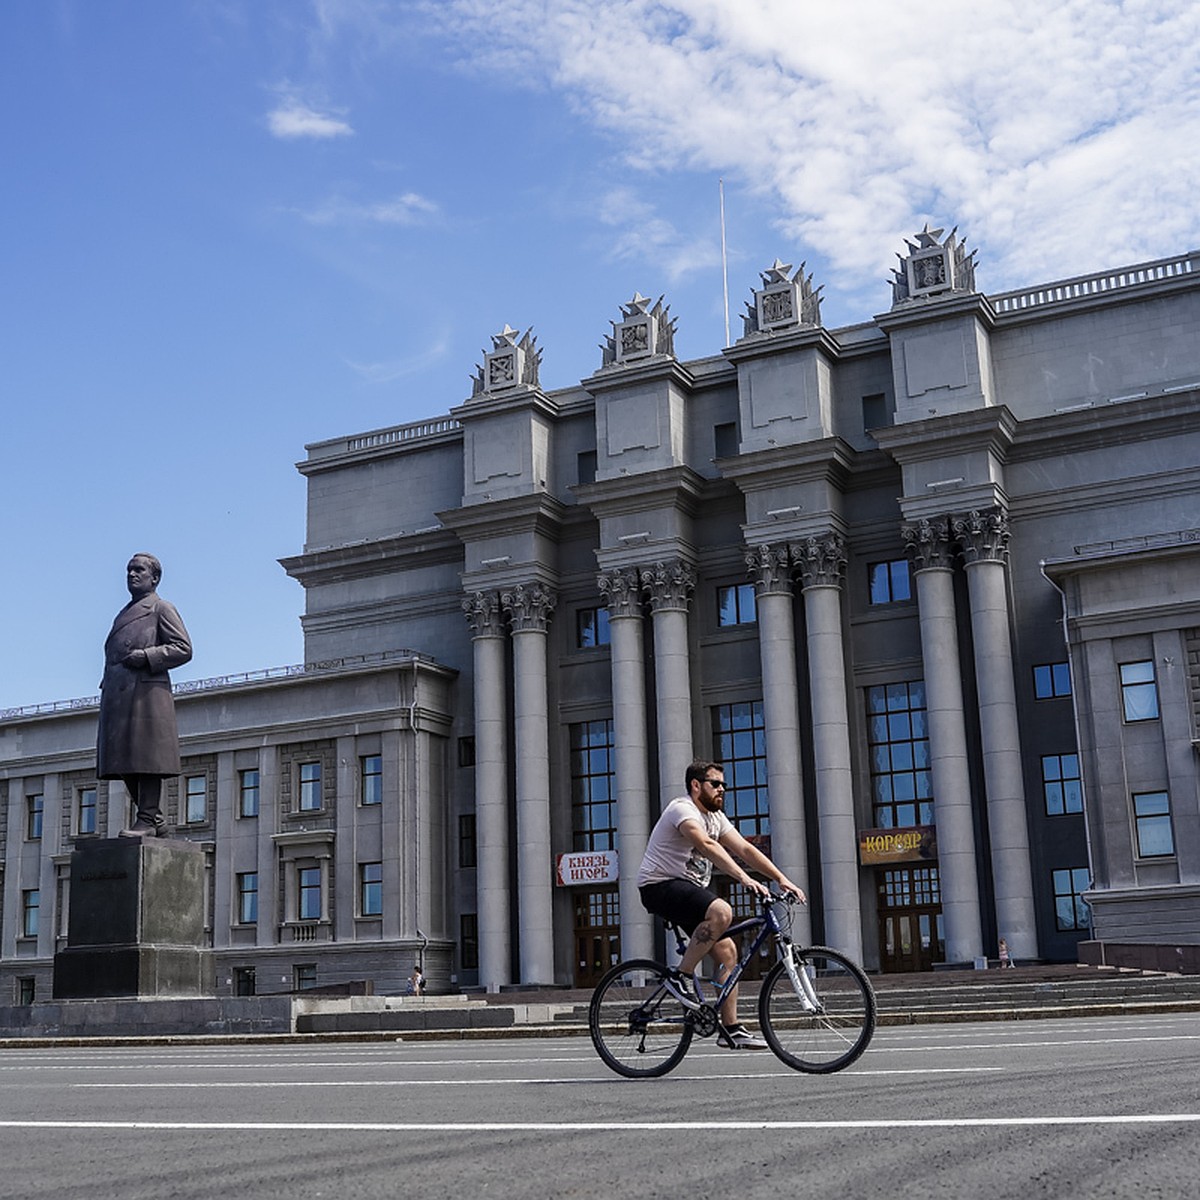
[146,791]
[707,935]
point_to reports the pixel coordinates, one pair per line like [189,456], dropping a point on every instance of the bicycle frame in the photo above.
[768,926]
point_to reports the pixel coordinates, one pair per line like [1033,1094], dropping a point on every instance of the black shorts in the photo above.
[678,900]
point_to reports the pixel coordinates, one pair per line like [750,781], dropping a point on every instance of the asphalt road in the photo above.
[1089,1108]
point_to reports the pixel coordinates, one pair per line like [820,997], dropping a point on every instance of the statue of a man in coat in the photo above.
[139,740]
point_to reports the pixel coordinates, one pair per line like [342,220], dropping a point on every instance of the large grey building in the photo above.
[928,586]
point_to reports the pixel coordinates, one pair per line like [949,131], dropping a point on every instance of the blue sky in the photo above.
[231,227]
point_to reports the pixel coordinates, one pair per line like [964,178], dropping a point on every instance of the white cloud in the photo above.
[292,118]
[1060,137]
[410,208]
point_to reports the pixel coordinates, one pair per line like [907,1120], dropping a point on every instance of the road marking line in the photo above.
[609,1126]
[777,1073]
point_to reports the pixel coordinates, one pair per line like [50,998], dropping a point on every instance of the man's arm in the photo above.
[752,856]
[716,853]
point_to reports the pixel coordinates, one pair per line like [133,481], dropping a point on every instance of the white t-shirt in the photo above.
[669,855]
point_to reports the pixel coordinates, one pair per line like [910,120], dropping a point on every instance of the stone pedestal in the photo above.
[135,921]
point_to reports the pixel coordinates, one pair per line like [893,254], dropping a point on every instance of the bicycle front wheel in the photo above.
[637,1026]
[820,1016]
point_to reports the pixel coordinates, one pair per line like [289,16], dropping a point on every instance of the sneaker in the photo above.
[684,988]
[738,1037]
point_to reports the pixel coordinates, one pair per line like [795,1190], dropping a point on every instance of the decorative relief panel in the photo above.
[643,332]
[933,267]
[510,363]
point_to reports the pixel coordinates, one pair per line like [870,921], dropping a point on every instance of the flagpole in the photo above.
[724,259]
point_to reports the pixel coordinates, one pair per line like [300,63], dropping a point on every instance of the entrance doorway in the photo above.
[597,933]
[910,919]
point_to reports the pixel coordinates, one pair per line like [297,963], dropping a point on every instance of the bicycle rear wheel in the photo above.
[638,1028]
[821,1020]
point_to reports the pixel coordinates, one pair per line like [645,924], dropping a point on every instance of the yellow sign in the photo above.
[916,843]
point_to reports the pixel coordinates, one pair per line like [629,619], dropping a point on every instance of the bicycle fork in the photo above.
[802,983]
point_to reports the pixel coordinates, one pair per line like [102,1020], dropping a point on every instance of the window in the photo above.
[244,981]
[735,605]
[247,897]
[35,807]
[31,903]
[308,885]
[310,786]
[740,745]
[370,889]
[248,785]
[468,941]
[1070,911]
[898,745]
[593,786]
[888,582]
[1051,681]
[196,788]
[466,751]
[1139,692]
[370,770]
[585,466]
[85,810]
[1152,820]
[26,990]
[591,628]
[466,840]
[725,439]
[304,975]
[1060,784]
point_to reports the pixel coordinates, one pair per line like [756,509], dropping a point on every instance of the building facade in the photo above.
[928,586]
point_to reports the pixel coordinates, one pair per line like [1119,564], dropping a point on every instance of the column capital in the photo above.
[528,607]
[820,559]
[982,535]
[622,591]
[482,610]
[669,584]
[927,544]
[771,568]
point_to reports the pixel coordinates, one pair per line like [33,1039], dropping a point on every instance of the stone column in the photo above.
[670,585]
[770,567]
[821,562]
[528,608]
[983,538]
[928,546]
[492,884]
[622,595]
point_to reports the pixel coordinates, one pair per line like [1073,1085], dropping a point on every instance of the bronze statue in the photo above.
[139,740]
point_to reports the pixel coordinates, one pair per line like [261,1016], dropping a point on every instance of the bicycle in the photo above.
[816,1008]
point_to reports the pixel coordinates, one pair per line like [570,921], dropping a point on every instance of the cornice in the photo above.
[358,560]
[474,521]
[829,458]
[680,486]
[913,313]
[769,342]
[518,399]
[660,369]
[913,441]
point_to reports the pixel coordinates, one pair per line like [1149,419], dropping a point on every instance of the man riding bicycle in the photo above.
[692,835]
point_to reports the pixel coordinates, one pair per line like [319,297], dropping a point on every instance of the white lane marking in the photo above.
[876,1048]
[778,1073]
[612,1126]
